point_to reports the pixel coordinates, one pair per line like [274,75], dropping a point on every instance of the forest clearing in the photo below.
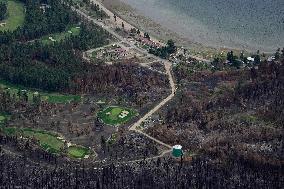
[58,37]
[15,15]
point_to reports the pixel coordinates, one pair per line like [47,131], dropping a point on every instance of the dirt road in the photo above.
[156,108]
[168,66]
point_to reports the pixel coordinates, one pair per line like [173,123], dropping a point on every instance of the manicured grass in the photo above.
[50,97]
[111,115]
[49,141]
[77,151]
[15,17]
[3,117]
[74,31]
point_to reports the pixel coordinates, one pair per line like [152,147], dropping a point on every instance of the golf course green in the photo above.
[49,141]
[115,115]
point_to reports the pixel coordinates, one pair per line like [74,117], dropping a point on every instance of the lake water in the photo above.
[244,24]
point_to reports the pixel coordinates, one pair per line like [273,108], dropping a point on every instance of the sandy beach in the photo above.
[159,32]
[132,19]
[156,31]
[162,33]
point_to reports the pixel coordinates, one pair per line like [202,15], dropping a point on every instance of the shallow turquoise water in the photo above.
[245,24]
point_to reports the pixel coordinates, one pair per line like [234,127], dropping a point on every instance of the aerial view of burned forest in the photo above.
[89,98]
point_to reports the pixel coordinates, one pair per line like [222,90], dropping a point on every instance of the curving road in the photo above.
[156,108]
[168,66]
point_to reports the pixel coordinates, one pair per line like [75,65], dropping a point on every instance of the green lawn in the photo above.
[77,151]
[3,117]
[114,115]
[49,141]
[72,31]
[15,17]
[77,1]
[50,97]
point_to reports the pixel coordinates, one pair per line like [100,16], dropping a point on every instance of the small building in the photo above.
[250,59]
[271,58]
[43,7]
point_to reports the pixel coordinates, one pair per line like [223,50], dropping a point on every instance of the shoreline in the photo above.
[130,15]
[156,31]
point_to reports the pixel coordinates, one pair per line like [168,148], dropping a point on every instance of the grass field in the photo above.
[77,151]
[50,97]
[15,17]
[116,115]
[49,141]
[72,31]
[3,117]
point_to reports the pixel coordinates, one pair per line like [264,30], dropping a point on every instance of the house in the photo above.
[43,7]
[271,58]
[250,59]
